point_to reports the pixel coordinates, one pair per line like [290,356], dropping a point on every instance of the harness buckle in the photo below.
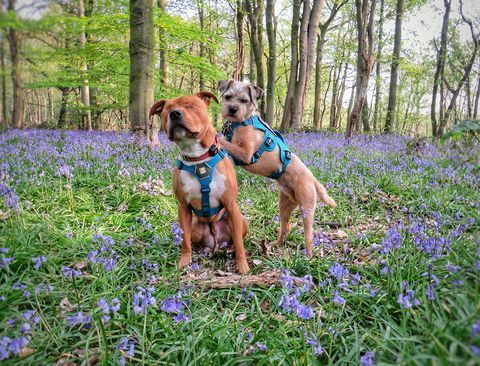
[257,155]
[213,150]
[205,189]
[288,154]
[268,142]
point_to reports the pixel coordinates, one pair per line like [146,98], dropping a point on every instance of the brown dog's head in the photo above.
[239,99]
[185,117]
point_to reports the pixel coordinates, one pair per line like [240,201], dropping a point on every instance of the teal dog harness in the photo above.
[271,139]
[204,174]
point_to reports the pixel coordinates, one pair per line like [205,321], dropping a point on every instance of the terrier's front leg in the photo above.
[243,152]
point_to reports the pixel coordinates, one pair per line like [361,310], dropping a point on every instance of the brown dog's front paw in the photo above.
[185,260]
[242,266]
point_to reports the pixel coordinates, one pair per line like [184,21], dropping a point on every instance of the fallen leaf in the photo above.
[80,264]
[25,352]
[66,306]
[257,262]
[266,247]
[241,317]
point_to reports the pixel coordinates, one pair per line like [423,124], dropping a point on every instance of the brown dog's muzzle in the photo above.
[177,126]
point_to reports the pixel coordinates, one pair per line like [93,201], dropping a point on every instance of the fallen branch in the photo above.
[222,280]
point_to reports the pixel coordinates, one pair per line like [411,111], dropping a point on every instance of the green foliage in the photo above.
[463,128]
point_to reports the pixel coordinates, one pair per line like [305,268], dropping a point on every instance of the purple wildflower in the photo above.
[452,268]
[180,317]
[392,240]
[261,346]
[367,359]
[143,299]
[338,271]
[38,261]
[313,341]
[177,233]
[172,304]
[5,261]
[71,272]
[475,350]
[430,293]
[42,287]
[337,299]
[80,319]
[126,348]
[356,279]
[407,298]
[476,328]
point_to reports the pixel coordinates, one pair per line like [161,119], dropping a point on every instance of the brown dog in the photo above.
[260,150]
[204,180]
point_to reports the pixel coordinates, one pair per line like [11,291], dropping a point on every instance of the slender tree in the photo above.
[365,13]
[14,40]
[271,26]
[3,116]
[141,50]
[477,98]
[240,40]
[84,90]
[392,94]
[440,67]
[378,67]
[305,36]
[163,45]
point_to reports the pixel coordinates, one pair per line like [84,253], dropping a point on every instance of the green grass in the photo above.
[432,333]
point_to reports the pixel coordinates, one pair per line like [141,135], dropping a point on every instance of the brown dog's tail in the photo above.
[323,195]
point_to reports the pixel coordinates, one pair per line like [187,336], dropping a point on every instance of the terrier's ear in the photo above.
[255,91]
[157,108]
[207,97]
[224,85]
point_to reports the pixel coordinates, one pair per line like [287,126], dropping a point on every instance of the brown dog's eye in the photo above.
[228,97]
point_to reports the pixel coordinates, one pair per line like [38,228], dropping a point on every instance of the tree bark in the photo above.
[272,60]
[365,59]
[439,70]
[477,98]
[467,69]
[62,115]
[307,39]
[14,40]
[163,45]
[255,10]
[4,121]
[141,49]
[392,93]
[333,104]
[378,67]
[201,20]
[84,90]
[321,39]
[240,40]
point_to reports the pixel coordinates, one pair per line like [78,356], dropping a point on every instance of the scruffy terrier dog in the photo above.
[262,151]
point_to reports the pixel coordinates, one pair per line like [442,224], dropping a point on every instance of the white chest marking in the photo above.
[191,187]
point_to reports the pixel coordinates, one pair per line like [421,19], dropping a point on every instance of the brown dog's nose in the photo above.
[175,114]
[232,109]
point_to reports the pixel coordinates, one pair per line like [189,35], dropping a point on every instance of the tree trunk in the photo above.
[338,121]
[438,77]
[14,40]
[287,110]
[466,74]
[163,45]
[365,59]
[321,39]
[84,90]
[307,41]
[477,98]
[468,97]
[392,93]
[378,72]
[4,121]
[201,19]
[333,104]
[141,49]
[240,40]
[62,115]
[272,60]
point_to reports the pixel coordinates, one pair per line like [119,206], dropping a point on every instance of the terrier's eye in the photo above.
[228,97]
[243,100]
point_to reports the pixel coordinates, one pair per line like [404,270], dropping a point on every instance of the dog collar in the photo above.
[212,151]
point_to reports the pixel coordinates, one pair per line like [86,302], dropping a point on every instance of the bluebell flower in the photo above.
[337,299]
[261,346]
[476,328]
[313,341]
[143,299]
[71,272]
[367,359]
[338,271]
[177,233]
[38,261]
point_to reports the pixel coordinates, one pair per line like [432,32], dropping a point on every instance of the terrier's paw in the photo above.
[185,260]
[242,266]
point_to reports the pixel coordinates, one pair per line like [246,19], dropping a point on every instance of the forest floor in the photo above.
[89,250]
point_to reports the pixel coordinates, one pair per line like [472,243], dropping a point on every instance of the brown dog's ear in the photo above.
[207,97]
[223,86]
[157,108]
[255,92]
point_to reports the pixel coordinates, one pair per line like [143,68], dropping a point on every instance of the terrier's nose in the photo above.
[175,114]
[232,109]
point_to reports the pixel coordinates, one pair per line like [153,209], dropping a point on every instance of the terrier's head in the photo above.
[239,99]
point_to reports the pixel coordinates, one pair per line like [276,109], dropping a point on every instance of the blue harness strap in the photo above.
[271,139]
[204,174]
